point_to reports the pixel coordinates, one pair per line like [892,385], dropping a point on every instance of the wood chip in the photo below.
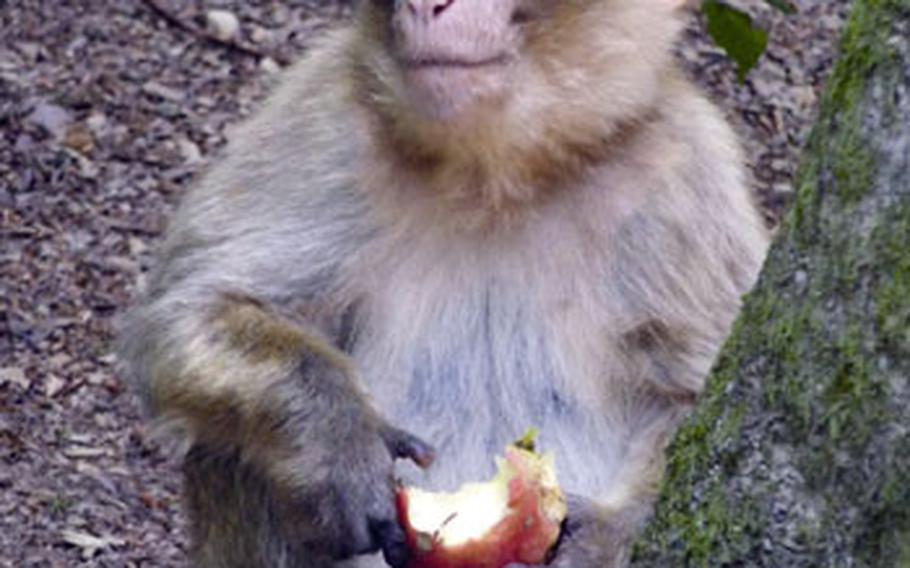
[14,376]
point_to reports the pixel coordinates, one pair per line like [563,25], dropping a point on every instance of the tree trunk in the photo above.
[799,453]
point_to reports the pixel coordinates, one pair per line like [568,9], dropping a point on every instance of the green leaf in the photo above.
[783,5]
[735,34]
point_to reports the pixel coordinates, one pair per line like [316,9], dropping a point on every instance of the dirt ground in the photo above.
[108,109]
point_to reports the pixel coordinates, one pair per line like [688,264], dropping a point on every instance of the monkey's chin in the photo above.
[447,93]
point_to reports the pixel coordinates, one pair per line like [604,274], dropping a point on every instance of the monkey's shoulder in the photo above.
[294,162]
[685,163]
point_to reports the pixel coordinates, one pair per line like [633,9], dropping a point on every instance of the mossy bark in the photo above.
[799,452]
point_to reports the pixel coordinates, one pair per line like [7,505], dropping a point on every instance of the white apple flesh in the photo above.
[514,517]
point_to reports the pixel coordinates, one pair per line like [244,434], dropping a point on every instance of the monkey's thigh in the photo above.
[237,519]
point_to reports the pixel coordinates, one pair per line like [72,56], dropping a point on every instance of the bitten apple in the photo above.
[514,517]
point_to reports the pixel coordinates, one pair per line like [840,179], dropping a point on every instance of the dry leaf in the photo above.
[90,544]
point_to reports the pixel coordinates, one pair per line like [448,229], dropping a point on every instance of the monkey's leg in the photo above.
[239,519]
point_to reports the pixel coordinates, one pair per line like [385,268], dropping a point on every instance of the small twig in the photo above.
[199,31]
[70,389]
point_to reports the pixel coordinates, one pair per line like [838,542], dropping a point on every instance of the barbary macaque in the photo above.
[454,220]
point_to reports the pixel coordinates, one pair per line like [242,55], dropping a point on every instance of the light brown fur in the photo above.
[558,239]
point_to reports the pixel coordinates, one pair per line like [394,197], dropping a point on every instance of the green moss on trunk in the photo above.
[799,453]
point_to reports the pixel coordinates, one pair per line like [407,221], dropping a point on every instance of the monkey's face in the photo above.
[444,59]
[494,97]
[452,54]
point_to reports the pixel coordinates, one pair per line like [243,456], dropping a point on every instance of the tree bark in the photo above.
[799,452]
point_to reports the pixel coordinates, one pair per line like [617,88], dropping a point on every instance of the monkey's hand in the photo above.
[341,469]
[592,537]
[356,499]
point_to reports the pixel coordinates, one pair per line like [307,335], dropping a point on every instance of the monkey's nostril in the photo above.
[428,9]
[520,17]
[441,6]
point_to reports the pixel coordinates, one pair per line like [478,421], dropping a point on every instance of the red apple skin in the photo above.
[524,536]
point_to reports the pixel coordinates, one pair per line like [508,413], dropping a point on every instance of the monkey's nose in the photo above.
[427,10]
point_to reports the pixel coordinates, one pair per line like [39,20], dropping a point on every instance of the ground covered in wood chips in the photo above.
[108,109]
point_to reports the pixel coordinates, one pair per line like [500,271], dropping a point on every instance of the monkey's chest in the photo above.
[470,368]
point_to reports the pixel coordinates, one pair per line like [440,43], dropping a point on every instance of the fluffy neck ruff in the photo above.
[586,78]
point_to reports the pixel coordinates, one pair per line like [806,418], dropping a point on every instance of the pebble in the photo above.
[52,118]
[189,151]
[269,65]
[222,24]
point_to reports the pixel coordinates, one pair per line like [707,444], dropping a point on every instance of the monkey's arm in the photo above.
[235,370]
[235,376]
[224,357]
[703,244]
